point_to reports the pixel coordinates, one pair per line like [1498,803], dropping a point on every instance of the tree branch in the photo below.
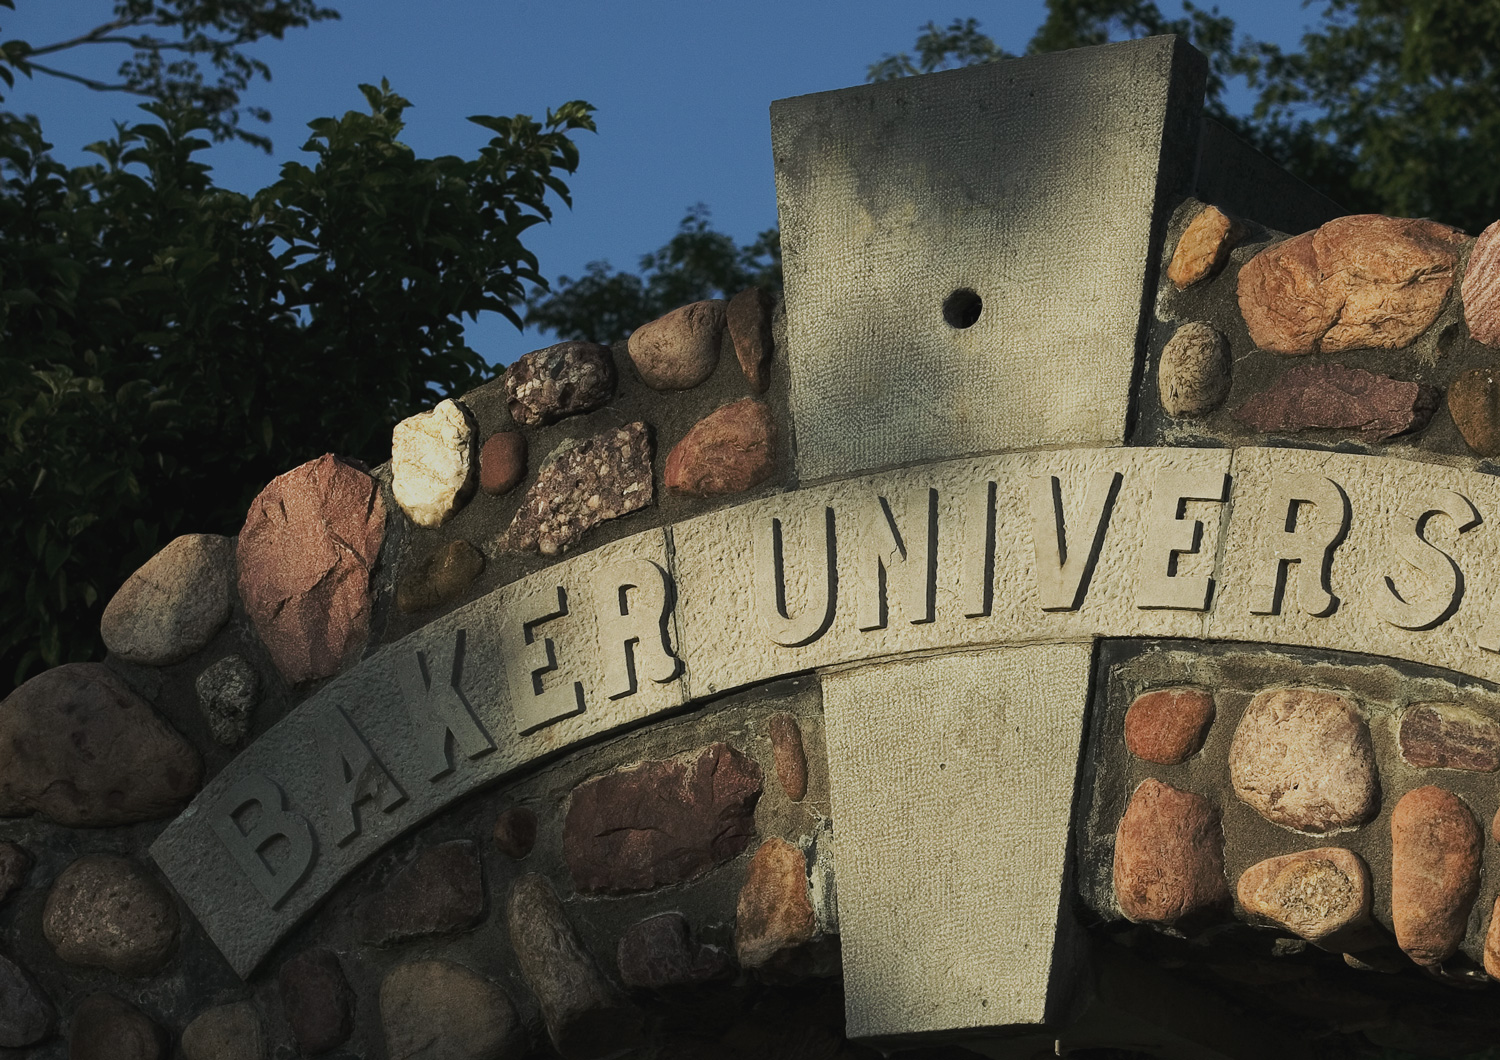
[94,35]
[88,82]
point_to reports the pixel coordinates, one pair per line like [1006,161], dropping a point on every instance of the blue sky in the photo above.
[682,91]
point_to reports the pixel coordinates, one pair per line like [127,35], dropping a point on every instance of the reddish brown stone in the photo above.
[1447,736]
[1169,857]
[562,380]
[728,451]
[106,1028]
[1302,758]
[661,822]
[441,578]
[317,1000]
[1474,404]
[749,317]
[1336,397]
[1169,725]
[1203,248]
[774,913]
[305,555]
[1363,281]
[679,350]
[15,865]
[1481,288]
[599,478]
[79,748]
[502,462]
[440,892]
[789,756]
[105,912]
[659,952]
[1436,849]
[1317,894]
[515,831]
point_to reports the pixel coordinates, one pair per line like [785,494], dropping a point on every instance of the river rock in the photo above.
[659,952]
[1203,248]
[1169,725]
[26,1016]
[1317,894]
[1169,857]
[661,822]
[1481,288]
[317,1000]
[562,380]
[749,319]
[602,477]
[15,866]
[1448,736]
[105,912]
[774,913]
[440,892]
[1336,397]
[227,693]
[1492,943]
[679,350]
[78,748]
[502,462]
[441,578]
[305,555]
[174,604]
[1436,851]
[1192,376]
[106,1028]
[585,1016]
[515,831]
[1363,281]
[788,755]
[432,463]
[728,451]
[1474,404]
[438,1010]
[1302,758]
[227,1032]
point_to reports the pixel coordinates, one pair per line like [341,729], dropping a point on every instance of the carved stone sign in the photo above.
[1259,544]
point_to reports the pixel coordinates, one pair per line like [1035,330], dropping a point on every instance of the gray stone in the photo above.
[227,694]
[105,912]
[106,1028]
[439,893]
[438,1010]
[1193,374]
[227,1032]
[15,865]
[432,463]
[562,380]
[317,1000]
[600,478]
[659,952]
[679,350]
[174,604]
[585,1016]
[26,1016]
[77,747]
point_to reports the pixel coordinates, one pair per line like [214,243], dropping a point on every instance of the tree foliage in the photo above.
[167,346]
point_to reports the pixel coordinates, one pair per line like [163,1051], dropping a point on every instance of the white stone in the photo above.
[432,463]
[174,604]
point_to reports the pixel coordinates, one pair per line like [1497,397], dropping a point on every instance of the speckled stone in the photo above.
[749,318]
[679,350]
[105,1028]
[788,755]
[1481,288]
[1448,736]
[432,463]
[26,1016]
[1436,852]
[305,554]
[1313,893]
[1302,758]
[226,1032]
[1169,858]
[659,952]
[1192,377]
[1204,247]
[15,866]
[774,913]
[602,477]
[563,380]
[502,462]
[440,892]
[1474,404]
[439,1010]
[1337,397]
[317,1000]
[515,832]
[105,912]
[730,450]
[1169,725]
[78,748]
[174,604]
[441,578]
[227,693]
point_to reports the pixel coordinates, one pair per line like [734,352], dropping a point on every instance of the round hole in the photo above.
[962,308]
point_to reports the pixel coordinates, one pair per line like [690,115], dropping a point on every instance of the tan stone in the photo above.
[1168,725]
[432,463]
[174,604]
[1436,850]
[105,912]
[1203,248]
[1316,894]
[774,913]
[227,1032]
[1492,942]
[1302,758]
[681,349]
[442,1010]
[1192,376]
[1481,288]
[1169,857]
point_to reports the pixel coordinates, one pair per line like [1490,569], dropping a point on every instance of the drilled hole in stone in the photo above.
[962,308]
